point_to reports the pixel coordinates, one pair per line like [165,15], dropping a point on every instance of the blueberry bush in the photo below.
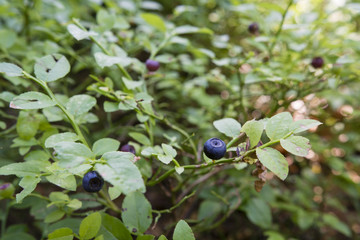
[179,120]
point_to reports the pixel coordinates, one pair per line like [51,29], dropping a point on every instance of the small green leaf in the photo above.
[27,125]
[28,183]
[253,130]
[278,126]
[10,69]
[58,197]
[90,226]
[60,137]
[113,228]
[105,20]
[273,160]
[72,154]
[22,169]
[228,126]
[51,67]
[168,150]
[336,224]
[183,231]
[145,237]
[258,212]
[31,100]
[130,84]
[187,29]
[74,204]
[136,213]
[79,33]
[272,235]
[61,234]
[179,170]
[63,180]
[296,145]
[162,237]
[111,106]
[165,158]
[141,138]
[121,172]
[114,192]
[155,21]
[104,60]
[54,216]
[7,38]
[104,145]
[303,125]
[80,104]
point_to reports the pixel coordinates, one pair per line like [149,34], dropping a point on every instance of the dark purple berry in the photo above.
[152,65]
[317,62]
[128,148]
[92,182]
[214,148]
[253,28]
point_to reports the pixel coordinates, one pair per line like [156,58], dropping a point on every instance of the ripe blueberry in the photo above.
[92,182]
[128,148]
[214,148]
[317,62]
[152,65]
[253,28]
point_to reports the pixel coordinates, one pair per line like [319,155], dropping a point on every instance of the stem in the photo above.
[241,95]
[216,162]
[234,140]
[110,203]
[176,205]
[161,45]
[280,28]
[63,109]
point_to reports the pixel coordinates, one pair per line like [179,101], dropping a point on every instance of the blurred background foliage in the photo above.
[220,71]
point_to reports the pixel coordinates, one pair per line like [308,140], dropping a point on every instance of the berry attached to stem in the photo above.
[152,65]
[92,182]
[254,28]
[317,62]
[215,148]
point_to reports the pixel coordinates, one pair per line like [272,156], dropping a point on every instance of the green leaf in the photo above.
[114,192]
[166,159]
[60,137]
[141,138]
[303,125]
[273,160]
[80,104]
[187,29]
[72,154]
[111,106]
[228,126]
[121,172]
[179,170]
[58,197]
[296,145]
[75,204]
[272,235]
[105,20]
[63,180]
[37,155]
[258,212]
[17,235]
[155,21]
[7,38]
[130,84]
[104,145]
[162,237]
[79,33]
[27,125]
[113,228]
[22,169]
[183,231]
[253,130]
[168,150]
[51,67]
[104,60]
[136,214]
[31,100]
[336,224]
[54,216]
[11,70]
[278,126]
[145,237]
[28,183]
[61,234]
[90,226]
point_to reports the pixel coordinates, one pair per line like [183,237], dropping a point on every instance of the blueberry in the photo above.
[214,148]
[317,62]
[92,182]
[128,148]
[6,190]
[253,28]
[152,65]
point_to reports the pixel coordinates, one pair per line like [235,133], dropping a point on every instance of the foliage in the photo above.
[75,87]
